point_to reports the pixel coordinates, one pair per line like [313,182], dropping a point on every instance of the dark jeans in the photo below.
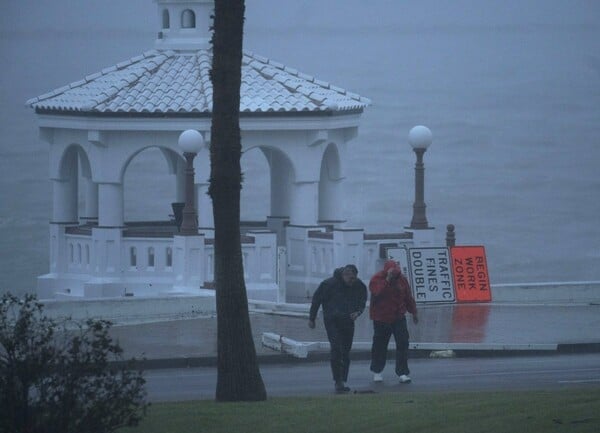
[381,337]
[340,332]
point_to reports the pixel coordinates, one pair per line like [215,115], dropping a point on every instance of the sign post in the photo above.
[400,255]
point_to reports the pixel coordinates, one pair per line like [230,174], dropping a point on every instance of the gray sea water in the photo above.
[512,99]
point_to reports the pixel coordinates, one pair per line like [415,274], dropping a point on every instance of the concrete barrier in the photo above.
[301,349]
[547,293]
[131,309]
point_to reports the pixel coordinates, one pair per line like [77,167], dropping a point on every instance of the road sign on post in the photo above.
[431,276]
[400,255]
[471,279]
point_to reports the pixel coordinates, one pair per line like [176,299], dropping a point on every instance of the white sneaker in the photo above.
[404,379]
[377,377]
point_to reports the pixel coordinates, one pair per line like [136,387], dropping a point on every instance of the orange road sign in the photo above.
[470,272]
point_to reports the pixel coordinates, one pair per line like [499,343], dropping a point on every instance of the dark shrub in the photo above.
[63,377]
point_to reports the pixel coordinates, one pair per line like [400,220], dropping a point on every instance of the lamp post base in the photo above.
[422,237]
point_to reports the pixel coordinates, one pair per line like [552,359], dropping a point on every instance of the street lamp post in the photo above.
[420,138]
[191,142]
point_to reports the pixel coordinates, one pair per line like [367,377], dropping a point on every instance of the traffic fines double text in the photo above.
[441,274]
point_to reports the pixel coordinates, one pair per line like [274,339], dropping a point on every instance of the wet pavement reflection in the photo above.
[455,323]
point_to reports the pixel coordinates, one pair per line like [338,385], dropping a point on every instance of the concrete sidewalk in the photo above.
[467,329]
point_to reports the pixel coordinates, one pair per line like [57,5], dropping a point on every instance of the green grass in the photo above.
[530,412]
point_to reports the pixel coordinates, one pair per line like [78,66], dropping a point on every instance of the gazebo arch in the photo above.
[175,165]
[281,178]
[64,166]
[173,159]
[71,160]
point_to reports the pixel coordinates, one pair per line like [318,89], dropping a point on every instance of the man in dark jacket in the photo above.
[343,298]
[391,298]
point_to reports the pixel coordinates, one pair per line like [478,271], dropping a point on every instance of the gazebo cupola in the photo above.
[184,24]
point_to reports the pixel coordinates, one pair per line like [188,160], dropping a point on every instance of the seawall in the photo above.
[149,309]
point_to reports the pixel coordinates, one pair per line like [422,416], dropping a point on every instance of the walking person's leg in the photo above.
[335,343]
[333,336]
[347,332]
[381,337]
[401,336]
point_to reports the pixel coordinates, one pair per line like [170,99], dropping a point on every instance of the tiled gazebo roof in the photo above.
[170,82]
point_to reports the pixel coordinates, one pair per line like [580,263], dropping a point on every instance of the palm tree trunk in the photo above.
[238,377]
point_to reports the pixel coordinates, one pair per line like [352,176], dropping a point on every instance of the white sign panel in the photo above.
[401,256]
[431,275]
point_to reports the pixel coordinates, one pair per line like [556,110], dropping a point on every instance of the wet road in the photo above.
[553,372]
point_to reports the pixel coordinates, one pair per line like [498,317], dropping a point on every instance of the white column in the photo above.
[64,197]
[64,190]
[110,205]
[58,249]
[348,247]
[106,253]
[91,200]
[305,201]
[188,265]
[281,185]
[331,204]
[261,267]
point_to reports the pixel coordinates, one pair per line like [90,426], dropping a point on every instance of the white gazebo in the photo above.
[96,126]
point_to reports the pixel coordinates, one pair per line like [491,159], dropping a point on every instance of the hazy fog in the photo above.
[510,89]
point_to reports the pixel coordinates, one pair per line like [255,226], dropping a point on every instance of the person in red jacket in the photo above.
[391,298]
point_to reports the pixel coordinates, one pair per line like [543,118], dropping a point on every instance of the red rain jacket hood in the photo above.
[390,300]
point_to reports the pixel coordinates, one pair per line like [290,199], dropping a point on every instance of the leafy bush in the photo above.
[61,377]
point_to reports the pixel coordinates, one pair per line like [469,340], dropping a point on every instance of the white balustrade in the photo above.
[145,265]
[79,255]
[99,265]
[147,257]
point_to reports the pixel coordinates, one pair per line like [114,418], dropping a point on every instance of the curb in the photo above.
[460,350]
[578,348]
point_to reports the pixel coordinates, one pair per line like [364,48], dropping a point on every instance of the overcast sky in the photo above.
[140,14]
